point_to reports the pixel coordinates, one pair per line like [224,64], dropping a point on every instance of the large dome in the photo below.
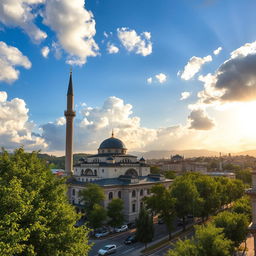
[112,143]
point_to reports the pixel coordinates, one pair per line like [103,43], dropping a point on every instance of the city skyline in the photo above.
[164,76]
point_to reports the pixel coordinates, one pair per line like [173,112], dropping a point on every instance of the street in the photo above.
[132,249]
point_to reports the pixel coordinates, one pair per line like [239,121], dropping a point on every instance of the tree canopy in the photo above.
[36,218]
[115,212]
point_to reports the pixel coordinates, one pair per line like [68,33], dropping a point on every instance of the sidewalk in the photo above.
[250,246]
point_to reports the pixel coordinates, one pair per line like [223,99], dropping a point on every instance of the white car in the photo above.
[121,228]
[101,233]
[107,249]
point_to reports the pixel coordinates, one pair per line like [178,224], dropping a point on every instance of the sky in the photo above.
[163,74]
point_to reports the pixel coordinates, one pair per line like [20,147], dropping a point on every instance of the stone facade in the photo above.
[119,174]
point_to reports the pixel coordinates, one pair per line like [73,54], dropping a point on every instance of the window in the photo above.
[102,170]
[148,191]
[141,205]
[133,208]
[119,194]
[95,172]
[73,192]
[133,193]
[141,192]
[73,201]
[82,172]
[110,195]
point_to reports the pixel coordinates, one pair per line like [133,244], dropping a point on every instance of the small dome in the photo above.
[112,143]
[142,159]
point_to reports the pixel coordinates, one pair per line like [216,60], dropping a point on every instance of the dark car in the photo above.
[131,225]
[130,239]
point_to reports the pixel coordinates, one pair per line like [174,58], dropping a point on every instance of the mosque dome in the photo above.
[112,143]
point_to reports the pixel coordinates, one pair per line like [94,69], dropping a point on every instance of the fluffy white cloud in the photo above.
[15,128]
[234,80]
[140,44]
[96,124]
[10,57]
[185,95]
[20,13]
[149,80]
[111,48]
[159,78]
[217,51]
[199,120]
[45,51]
[193,66]
[75,28]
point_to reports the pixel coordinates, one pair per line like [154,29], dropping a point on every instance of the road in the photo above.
[133,249]
[118,240]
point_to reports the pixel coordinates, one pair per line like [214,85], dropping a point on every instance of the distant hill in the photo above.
[248,152]
[158,154]
[58,162]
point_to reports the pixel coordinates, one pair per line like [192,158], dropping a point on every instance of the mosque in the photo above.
[119,174]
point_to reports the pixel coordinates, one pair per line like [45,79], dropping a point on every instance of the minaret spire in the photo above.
[69,114]
[112,135]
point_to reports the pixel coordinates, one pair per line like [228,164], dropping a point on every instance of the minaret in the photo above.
[252,193]
[69,114]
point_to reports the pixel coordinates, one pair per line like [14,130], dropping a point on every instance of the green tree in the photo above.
[245,175]
[210,241]
[115,212]
[184,248]
[144,227]
[207,188]
[186,196]
[243,206]
[92,194]
[35,217]
[155,170]
[170,174]
[97,216]
[235,226]
[161,202]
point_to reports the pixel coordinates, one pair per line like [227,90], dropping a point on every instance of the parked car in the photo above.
[130,239]
[131,225]
[107,249]
[101,233]
[121,228]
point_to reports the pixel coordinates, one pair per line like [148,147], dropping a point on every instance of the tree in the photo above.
[207,188]
[187,197]
[115,212]
[97,216]
[170,174]
[35,216]
[235,226]
[184,248]
[144,227]
[244,175]
[155,170]
[161,202]
[210,241]
[243,206]
[92,194]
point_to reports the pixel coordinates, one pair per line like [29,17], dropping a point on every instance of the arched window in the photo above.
[131,172]
[88,172]
[133,193]
[141,192]
[119,194]
[82,172]
[110,195]
[73,192]
[95,172]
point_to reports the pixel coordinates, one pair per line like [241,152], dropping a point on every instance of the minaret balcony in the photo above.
[70,113]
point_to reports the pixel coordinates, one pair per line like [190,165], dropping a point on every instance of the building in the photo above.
[120,175]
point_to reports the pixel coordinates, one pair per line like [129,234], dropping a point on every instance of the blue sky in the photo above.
[179,30]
